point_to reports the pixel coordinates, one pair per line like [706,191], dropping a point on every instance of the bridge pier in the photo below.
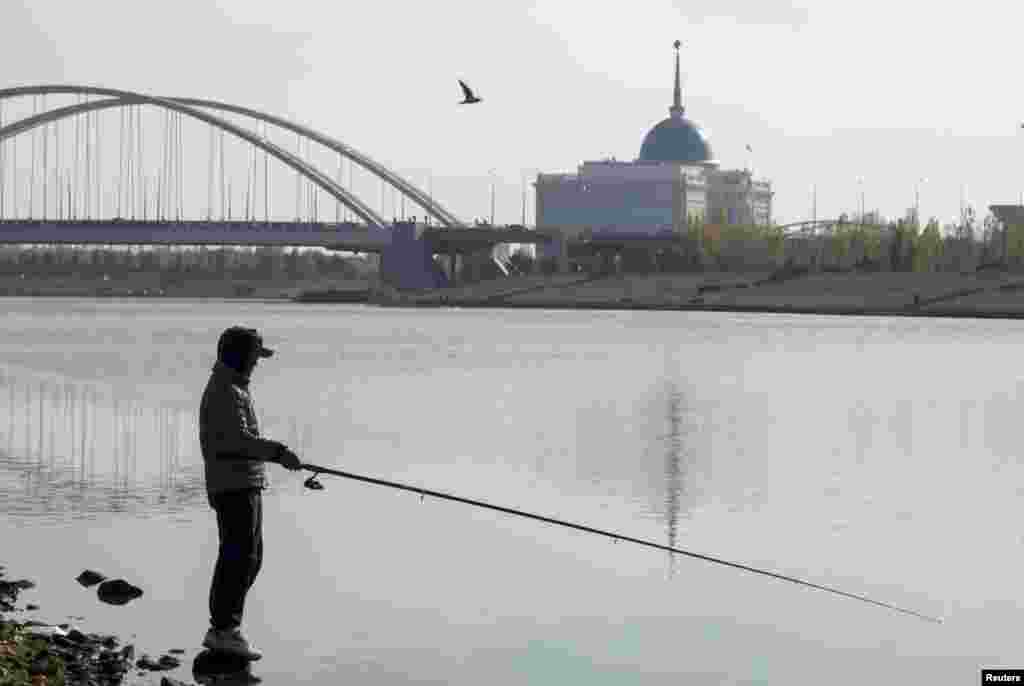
[408,262]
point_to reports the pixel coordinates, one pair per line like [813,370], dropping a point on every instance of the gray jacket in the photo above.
[233,452]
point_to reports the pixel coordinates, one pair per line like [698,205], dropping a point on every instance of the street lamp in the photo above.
[523,220]
[491,174]
[961,219]
[860,185]
[814,206]
[917,200]
[527,174]
[430,191]
[403,204]
[1021,127]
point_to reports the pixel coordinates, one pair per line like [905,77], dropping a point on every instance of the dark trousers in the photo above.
[240,525]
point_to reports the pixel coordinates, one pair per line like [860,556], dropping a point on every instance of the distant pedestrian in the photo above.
[234,455]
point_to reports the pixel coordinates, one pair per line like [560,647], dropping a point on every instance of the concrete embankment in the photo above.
[150,284]
[987,294]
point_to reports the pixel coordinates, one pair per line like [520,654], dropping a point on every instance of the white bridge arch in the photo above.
[188,107]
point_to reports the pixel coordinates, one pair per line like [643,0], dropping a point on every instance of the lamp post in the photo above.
[860,186]
[961,220]
[528,173]
[529,248]
[522,179]
[1020,128]
[491,174]
[814,207]
[430,192]
[917,201]
[402,200]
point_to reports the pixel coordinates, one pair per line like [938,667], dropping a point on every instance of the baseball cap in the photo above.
[241,339]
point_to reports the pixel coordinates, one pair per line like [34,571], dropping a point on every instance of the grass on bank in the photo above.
[18,650]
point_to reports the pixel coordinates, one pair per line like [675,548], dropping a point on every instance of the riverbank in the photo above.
[781,309]
[37,653]
[987,294]
[152,285]
[984,294]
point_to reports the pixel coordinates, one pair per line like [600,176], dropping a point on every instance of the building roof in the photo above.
[676,139]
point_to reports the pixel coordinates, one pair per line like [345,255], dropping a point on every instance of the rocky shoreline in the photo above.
[34,653]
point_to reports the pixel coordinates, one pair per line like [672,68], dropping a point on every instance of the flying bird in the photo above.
[470,98]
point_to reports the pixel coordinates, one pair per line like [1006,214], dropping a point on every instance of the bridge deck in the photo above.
[338,236]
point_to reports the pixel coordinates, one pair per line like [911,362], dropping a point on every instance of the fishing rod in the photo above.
[314,484]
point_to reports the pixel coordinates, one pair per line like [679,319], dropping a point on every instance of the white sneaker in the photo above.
[230,642]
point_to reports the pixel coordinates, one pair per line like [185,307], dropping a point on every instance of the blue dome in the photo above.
[675,139]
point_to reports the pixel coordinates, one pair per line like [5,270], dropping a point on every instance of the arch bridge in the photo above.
[72,194]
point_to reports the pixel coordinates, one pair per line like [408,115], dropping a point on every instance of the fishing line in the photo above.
[314,484]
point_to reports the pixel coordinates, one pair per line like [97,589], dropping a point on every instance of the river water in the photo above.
[875,455]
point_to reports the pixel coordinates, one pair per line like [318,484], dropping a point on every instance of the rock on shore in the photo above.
[35,652]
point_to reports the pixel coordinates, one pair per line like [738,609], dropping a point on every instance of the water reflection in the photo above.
[861,424]
[73,449]
[679,490]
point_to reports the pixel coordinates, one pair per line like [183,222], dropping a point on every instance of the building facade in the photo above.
[674,182]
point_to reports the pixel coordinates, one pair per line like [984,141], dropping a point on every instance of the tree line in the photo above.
[894,246]
[263,263]
[901,245]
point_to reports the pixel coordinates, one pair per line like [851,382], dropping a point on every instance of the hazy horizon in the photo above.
[823,94]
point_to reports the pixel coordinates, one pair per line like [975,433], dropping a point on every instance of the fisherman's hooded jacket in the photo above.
[233,451]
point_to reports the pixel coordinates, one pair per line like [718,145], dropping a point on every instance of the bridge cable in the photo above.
[3,161]
[123,182]
[139,164]
[251,188]
[14,177]
[298,179]
[58,175]
[225,178]
[87,187]
[32,175]
[46,160]
[99,164]
[266,178]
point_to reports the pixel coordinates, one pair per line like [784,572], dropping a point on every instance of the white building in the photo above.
[675,180]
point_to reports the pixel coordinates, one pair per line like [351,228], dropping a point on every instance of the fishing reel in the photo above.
[312,483]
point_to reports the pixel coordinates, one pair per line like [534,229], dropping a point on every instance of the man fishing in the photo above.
[234,455]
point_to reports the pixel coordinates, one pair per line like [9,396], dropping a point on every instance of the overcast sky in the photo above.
[823,91]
